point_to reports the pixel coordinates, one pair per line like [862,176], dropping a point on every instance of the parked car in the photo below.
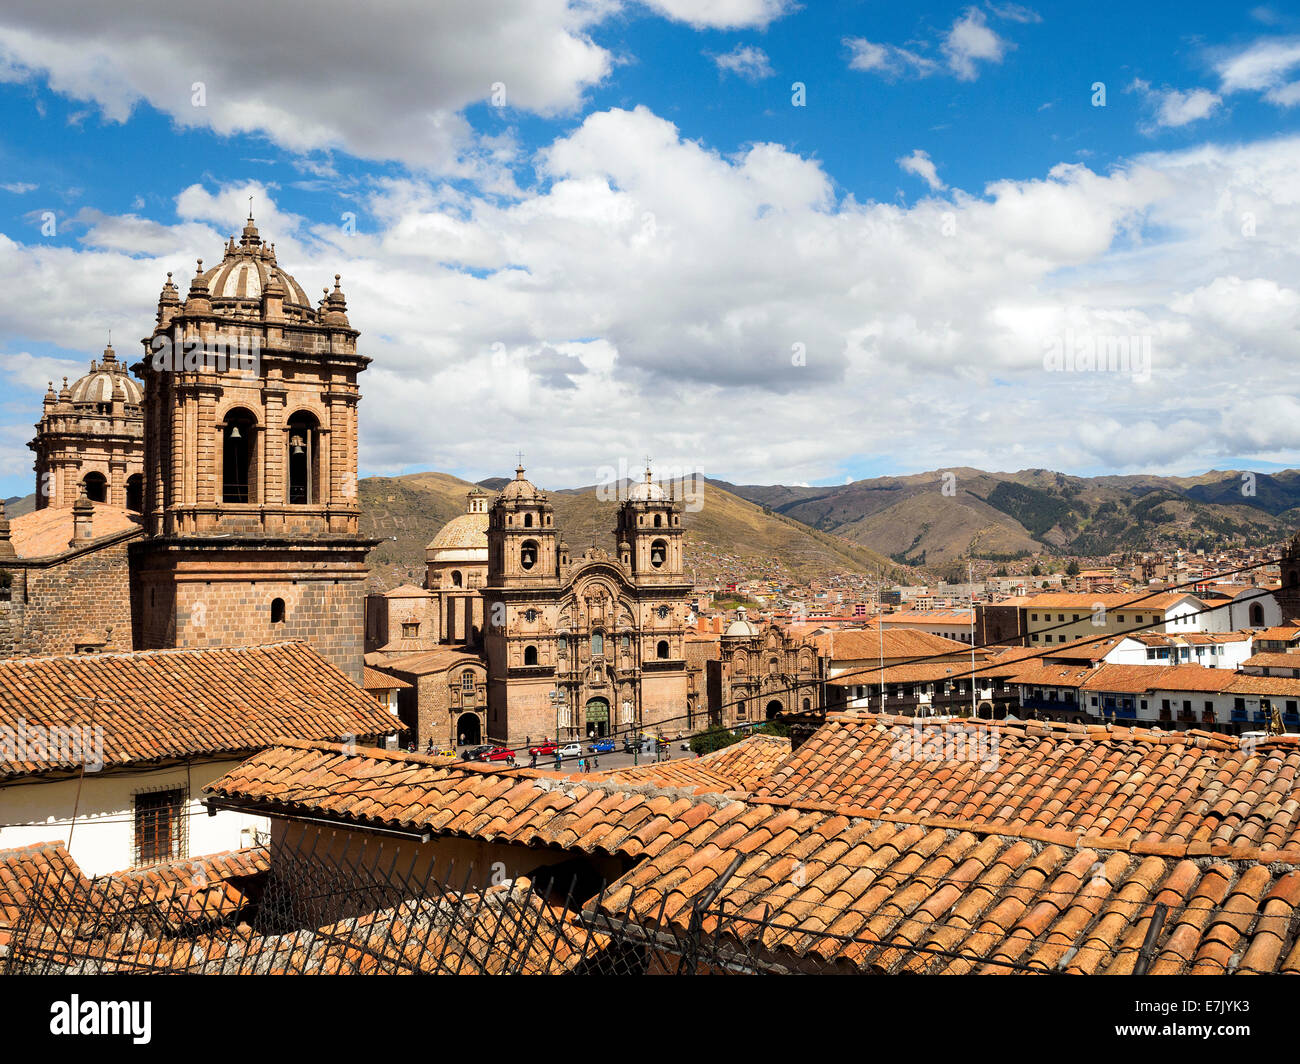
[546,749]
[601,746]
[498,753]
[570,750]
[477,753]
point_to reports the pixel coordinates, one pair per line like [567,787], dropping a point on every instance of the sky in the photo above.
[768,241]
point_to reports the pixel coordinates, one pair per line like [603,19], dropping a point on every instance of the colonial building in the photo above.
[579,647]
[760,673]
[250,456]
[457,561]
[91,439]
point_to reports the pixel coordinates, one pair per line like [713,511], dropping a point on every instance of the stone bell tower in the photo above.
[250,461]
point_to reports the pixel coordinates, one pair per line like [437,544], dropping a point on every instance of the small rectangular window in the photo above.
[159,826]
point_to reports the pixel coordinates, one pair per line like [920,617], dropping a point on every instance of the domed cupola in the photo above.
[238,284]
[105,384]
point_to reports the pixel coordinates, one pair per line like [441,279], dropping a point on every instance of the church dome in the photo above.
[245,274]
[520,487]
[466,532]
[647,491]
[107,382]
[742,627]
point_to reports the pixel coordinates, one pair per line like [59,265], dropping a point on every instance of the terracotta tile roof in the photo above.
[934,897]
[160,704]
[1274,660]
[1130,784]
[46,865]
[416,792]
[42,533]
[856,645]
[734,769]
[452,934]
[1142,679]
[1283,632]
[1043,675]
[1129,602]
[374,680]
[190,891]
[1279,686]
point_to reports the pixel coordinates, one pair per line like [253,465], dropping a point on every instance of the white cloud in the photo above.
[1173,108]
[1265,66]
[887,59]
[20,188]
[722,14]
[649,294]
[336,78]
[970,40]
[745,61]
[920,164]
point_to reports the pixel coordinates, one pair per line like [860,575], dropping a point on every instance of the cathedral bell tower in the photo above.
[649,533]
[522,548]
[250,464]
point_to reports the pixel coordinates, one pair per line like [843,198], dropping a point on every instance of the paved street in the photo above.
[606,761]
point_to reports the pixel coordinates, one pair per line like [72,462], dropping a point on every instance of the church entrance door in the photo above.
[597,715]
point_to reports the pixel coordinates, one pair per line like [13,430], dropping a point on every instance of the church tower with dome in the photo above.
[585,647]
[456,570]
[90,439]
[250,464]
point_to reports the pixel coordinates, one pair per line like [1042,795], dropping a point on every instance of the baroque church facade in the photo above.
[581,647]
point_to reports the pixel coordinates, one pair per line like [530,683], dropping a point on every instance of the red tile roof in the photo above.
[42,533]
[417,792]
[160,704]
[190,891]
[46,866]
[857,645]
[734,769]
[374,680]
[1124,783]
[821,889]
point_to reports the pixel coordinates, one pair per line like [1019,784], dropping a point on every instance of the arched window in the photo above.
[530,655]
[277,611]
[528,520]
[135,492]
[807,704]
[597,644]
[661,651]
[1256,615]
[304,459]
[455,578]
[238,445]
[659,521]
[96,487]
[528,554]
[658,553]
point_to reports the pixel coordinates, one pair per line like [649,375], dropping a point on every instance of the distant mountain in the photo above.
[928,519]
[726,536]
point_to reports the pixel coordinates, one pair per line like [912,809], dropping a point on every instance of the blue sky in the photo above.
[634,248]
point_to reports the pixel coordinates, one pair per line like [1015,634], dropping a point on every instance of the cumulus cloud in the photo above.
[920,164]
[652,295]
[1172,108]
[745,61]
[722,14]
[969,41]
[338,78]
[1268,66]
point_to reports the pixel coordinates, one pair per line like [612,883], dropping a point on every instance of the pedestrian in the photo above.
[597,760]
[462,738]
[558,761]
[532,759]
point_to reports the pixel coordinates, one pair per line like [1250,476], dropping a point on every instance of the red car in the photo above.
[547,749]
[498,753]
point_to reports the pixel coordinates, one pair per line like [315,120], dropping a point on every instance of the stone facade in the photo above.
[447,699]
[760,673]
[583,647]
[250,445]
[1288,595]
